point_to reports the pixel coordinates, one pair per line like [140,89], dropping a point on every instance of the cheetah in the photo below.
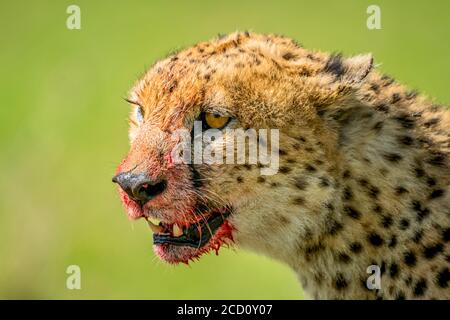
[363,176]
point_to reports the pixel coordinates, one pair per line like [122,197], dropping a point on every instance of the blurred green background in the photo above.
[63,130]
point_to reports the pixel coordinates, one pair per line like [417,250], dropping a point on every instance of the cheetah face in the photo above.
[193,212]
[242,82]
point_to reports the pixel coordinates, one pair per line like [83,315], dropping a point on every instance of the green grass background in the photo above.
[63,130]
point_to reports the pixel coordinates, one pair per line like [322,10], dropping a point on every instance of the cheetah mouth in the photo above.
[196,235]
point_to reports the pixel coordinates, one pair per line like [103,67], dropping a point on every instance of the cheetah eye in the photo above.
[139,114]
[138,111]
[214,120]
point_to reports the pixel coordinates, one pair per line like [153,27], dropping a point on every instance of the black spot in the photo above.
[334,66]
[282,152]
[340,282]
[348,193]
[387,221]
[324,182]
[405,121]
[274,184]
[344,258]
[289,56]
[382,108]
[417,236]
[431,181]
[443,277]
[383,266]
[410,258]
[346,174]
[395,98]
[404,224]
[446,234]
[363,182]
[400,296]
[437,159]
[298,201]
[300,183]
[393,157]
[431,251]
[406,140]
[282,219]
[261,179]
[356,247]
[420,287]
[393,270]
[352,212]
[247,166]
[240,179]
[420,211]
[310,168]
[387,80]
[329,206]
[408,281]
[374,87]
[373,191]
[318,162]
[312,57]
[285,169]
[411,94]
[378,126]
[400,190]
[419,172]
[392,242]
[377,209]
[333,227]
[436,193]
[375,239]
[313,250]
[431,122]
[173,85]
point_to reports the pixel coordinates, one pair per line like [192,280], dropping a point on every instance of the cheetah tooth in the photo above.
[155,228]
[176,230]
[154,220]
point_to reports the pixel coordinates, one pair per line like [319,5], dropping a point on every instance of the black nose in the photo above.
[139,187]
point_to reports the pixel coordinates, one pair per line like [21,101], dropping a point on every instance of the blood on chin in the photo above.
[183,254]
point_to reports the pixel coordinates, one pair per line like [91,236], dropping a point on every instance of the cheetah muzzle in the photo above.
[362,177]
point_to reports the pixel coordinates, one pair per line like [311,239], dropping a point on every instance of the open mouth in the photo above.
[195,235]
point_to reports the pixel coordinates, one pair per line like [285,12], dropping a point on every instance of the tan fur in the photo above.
[364,172]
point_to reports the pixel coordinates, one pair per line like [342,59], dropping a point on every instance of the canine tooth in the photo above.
[155,228]
[154,221]
[176,230]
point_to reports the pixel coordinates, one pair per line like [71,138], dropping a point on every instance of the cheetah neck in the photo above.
[379,204]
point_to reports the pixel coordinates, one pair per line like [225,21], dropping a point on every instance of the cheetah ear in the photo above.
[350,70]
[357,68]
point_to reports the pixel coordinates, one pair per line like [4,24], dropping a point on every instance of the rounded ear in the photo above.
[350,70]
[358,67]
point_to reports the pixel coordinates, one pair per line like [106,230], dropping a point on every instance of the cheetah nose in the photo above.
[139,187]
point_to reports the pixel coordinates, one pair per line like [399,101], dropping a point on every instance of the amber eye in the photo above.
[215,121]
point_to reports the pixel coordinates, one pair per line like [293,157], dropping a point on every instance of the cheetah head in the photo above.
[246,81]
